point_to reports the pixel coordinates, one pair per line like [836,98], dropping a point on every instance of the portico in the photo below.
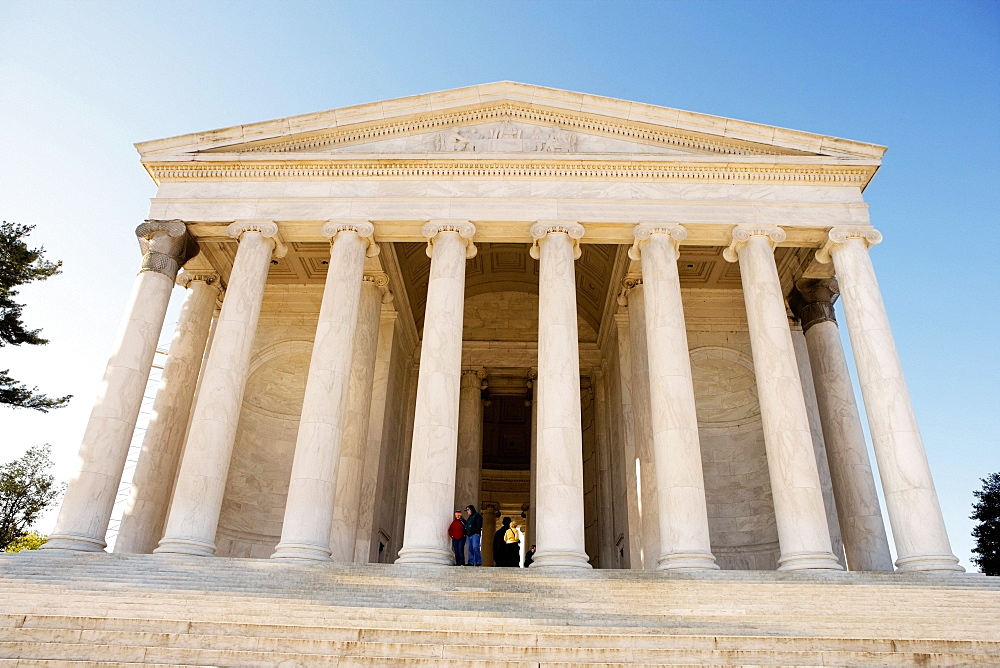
[614,318]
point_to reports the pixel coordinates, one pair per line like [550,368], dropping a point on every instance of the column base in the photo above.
[803,561]
[560,559]
[196,548]
[74,543]
[301,552]
[425,556]
[929,564]
[687,561]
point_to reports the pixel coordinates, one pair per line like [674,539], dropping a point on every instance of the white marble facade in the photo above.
[614,322]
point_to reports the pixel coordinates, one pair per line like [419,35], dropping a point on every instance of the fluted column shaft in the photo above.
[914,511]
[347,501]
[156,470]
[560,518]
[861,525]
[468,476]
[201,483]
[430,493]
[680,483]
[800,515]
[90,497]
[305,531]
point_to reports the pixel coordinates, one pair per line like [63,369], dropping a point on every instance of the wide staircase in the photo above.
[101,609]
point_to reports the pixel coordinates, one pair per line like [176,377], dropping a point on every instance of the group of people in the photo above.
[466,530]
[466,533]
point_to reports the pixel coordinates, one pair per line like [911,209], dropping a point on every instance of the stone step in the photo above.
[249,637]
[147,609]
[268,653]
[815,624]
[36,601]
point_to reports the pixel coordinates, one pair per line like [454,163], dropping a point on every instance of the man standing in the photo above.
[456,531]
[474,535]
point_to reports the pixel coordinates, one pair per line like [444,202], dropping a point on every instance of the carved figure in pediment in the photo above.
[560,141]
[454,140]
[507,130]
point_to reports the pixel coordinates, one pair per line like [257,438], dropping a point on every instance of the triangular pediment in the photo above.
[501,119]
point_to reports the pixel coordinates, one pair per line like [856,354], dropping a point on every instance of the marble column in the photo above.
[468,475]
[819,443]
[156,470]
[626,456]
[201,482]
[795,488]
[914,512]
[354,442]
[861,524]
[607,556]
[680,483]
[532,385]
[430,494]
[305,530]
[90,496]
[634,298]
[379,458]
[560,519]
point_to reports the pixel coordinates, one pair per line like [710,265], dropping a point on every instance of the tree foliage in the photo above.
[27,489]
[29,541]
[19,265]
[987,533]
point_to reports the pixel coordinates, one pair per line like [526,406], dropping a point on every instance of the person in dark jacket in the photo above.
[529,556]
[501,554]
[473,536]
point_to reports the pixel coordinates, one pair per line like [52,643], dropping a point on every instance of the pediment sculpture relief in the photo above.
[506,137]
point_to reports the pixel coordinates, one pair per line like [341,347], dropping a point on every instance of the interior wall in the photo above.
[741,518]
[253,506]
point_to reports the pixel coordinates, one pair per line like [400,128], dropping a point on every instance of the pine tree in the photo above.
[987,534]
[19,265]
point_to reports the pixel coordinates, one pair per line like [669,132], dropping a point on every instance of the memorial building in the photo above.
[619,324]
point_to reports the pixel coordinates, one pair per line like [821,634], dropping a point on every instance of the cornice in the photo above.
[856,175]
[388,118]
[507,110]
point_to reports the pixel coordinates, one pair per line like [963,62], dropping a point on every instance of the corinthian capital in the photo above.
[463,228]
[543,228]
[362,228]
[267,229]
[165,246]
[839,235]
[743,233]
[643,231]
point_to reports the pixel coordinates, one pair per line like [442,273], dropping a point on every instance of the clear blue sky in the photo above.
[81,81]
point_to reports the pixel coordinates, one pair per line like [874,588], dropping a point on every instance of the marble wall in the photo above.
[257,484]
